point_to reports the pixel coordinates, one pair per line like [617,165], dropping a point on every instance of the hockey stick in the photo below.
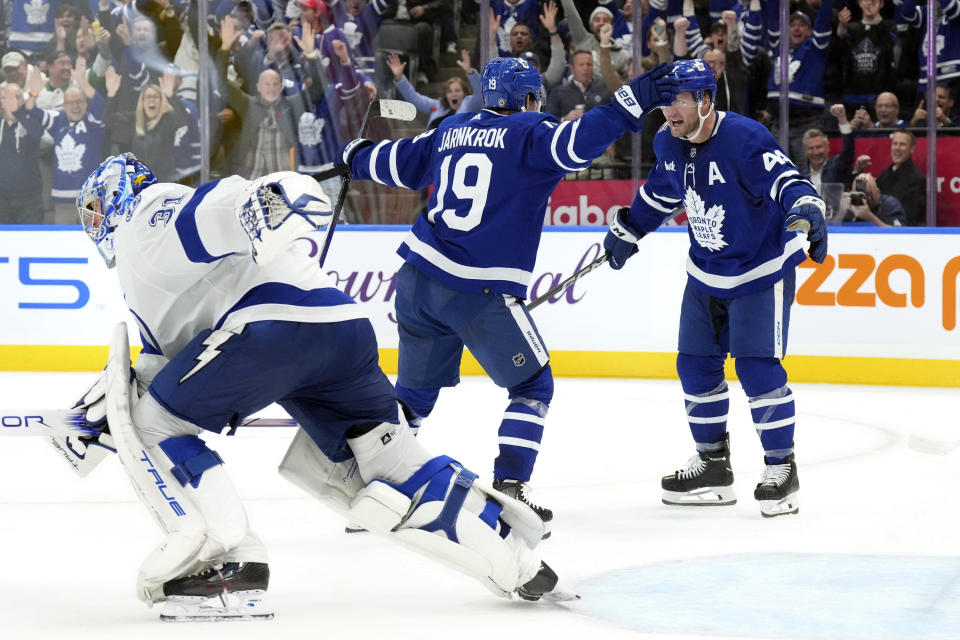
[599,260]
[392,109]
[569,282]
[60,422]
[931,446]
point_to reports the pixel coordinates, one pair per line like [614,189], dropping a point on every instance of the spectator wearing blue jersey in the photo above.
[457,96]
[507,13]
[78,137]
[469,257]
[744,199]
[808,60]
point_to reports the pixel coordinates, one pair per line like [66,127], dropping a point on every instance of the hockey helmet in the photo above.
[107,194]
[695,76]
[506,83]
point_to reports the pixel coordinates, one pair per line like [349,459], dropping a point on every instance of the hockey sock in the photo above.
[773,417]
[521,429]
[706,399]
[707,416]
[771,404]
[520,433]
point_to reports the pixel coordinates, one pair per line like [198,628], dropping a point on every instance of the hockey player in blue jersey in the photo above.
[234,315]
[743,198]
[469,257]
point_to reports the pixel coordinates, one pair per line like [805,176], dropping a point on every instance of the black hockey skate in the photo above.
[519,490]
[544,586]
[778,488]
[233,591]
[706,480]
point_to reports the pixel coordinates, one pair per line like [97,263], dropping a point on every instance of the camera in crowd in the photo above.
[858,196]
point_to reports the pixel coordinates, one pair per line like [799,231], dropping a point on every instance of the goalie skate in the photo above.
[778,488]
[706,480]
[235,591]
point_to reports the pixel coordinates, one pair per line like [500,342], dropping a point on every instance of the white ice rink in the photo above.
[873,553]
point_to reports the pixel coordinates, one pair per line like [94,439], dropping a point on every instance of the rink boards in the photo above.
[883,309]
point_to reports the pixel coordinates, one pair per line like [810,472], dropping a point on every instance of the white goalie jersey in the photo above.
[187,264]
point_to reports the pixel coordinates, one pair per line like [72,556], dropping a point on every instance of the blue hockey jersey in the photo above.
[948,37]
[492,176]
[736,188]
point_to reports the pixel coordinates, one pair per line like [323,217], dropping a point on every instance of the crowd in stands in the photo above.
[290,81]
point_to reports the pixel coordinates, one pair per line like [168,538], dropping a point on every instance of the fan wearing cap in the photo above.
[808,61]
[590,40]
[15,70]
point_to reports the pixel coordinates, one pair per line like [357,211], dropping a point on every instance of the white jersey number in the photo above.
[476,193]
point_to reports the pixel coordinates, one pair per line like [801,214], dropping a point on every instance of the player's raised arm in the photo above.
[574,144]
[395,163]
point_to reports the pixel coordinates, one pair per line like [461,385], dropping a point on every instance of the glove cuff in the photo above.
[813,200]
[624,231]
[628,101]
[352,147]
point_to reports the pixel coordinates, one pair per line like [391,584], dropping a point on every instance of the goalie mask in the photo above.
[280,207]
[106,195]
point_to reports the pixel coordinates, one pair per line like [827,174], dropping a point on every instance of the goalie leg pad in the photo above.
[453,522]
[187,515]
[333,483]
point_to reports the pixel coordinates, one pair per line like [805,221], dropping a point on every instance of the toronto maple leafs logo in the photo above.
[706,225]
[792,69]
[36,11]
[311,129]
[178,135]
[70,155]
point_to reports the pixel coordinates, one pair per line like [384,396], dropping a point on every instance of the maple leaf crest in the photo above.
[36,11]
[70,155]
[311,129]
[706,225]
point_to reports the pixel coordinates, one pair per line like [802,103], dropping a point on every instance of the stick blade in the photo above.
[931,446]
[396,110]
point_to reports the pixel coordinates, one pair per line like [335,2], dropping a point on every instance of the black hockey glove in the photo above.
[621,240]
[807,216]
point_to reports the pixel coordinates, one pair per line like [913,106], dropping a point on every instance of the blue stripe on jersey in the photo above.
[289,295]
[150,342]
[186,226]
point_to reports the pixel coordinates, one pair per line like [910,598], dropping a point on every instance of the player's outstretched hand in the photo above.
[621,240]
[807,216]
[350,149]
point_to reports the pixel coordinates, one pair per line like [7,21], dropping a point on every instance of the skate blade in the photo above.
[705,497]
[353,527]
[559,595]
[774,508]
[250,606]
